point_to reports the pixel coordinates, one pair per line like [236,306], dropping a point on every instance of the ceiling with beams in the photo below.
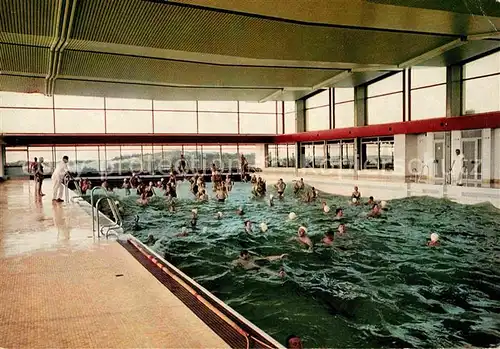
[253,50]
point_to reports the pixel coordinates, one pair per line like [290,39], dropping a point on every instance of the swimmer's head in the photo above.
[271,196]
[383,204]
[341,228]
[263,227]
[184,230]
[339,212]
[302,231]
[293,341]
[292,216]
[219,215]
[244,254]
[329,234]
[434,237]
[326,208]
[371,198]
[194,211]
[124,180]
[151,184]
[376,208]
[355,188]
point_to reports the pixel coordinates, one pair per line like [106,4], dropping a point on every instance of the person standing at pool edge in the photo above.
[457,168]
[57,178]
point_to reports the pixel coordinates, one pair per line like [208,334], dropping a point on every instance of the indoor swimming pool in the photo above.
[378,286]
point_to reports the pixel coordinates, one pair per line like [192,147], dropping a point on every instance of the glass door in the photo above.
[471,149]
[439,158]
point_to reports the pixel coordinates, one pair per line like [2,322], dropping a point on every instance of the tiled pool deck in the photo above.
[60,287]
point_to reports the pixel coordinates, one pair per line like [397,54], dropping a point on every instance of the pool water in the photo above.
[379,286]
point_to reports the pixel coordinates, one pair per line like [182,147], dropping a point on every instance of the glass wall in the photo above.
[377,153]
[344,107]
[32,113]
[280,155]
[340,154]
[481,85]
[384,102]
[317,111]
[428,92]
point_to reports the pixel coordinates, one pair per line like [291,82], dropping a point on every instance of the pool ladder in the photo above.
[117,222]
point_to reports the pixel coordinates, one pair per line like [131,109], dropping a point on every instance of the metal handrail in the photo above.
[92,203]
[118,222]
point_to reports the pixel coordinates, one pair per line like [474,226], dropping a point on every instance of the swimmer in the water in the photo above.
[326,208]
[356,194]
[202,195]
[341,230]
[247,261]
[299,185]
[308,197]
[314,193]
[339,213]
[328,239]
[229,183]
[303,238]
[375,212]
[280,187]
[218,215]
[370,201]
[434,240]
[143,200]
[126,185]
[221,193]
[194,217]
[240,211]
[184,232]
[248,226]
[271,200]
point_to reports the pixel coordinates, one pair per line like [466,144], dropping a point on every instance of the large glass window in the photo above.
[175,121]
[131,159]
[27,121]
[16,161]
[67,102]
[175,105]
[385,100]
[113,159]
[129,121]
[340,154]
[211,155]
[249,152]
[193,157]
[218,106]
[24,100]
[230,157]
[318,111]
[377,153]
[290,123]
[428,92]
[70,152]
[254,107]
[129,104]
[292,158]
[344,107]
[272,156]
[258,123]
[87,160]
[79,121]
[217,122]
[48,157]
[307,155]
[482,84]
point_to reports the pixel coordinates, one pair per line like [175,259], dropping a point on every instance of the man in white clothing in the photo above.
[57,179]
[457,168]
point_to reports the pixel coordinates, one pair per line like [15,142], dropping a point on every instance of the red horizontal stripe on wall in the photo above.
[466,122]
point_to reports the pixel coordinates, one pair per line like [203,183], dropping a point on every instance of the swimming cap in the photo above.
[184,229]
[434,237]
[271,196]
[303,228]
[292,216]
[194,210]
[383,203]
[263,227]
[354,200]
[326,208]
[219,214]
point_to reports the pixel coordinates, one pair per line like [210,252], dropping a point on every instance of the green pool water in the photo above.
[379,286]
